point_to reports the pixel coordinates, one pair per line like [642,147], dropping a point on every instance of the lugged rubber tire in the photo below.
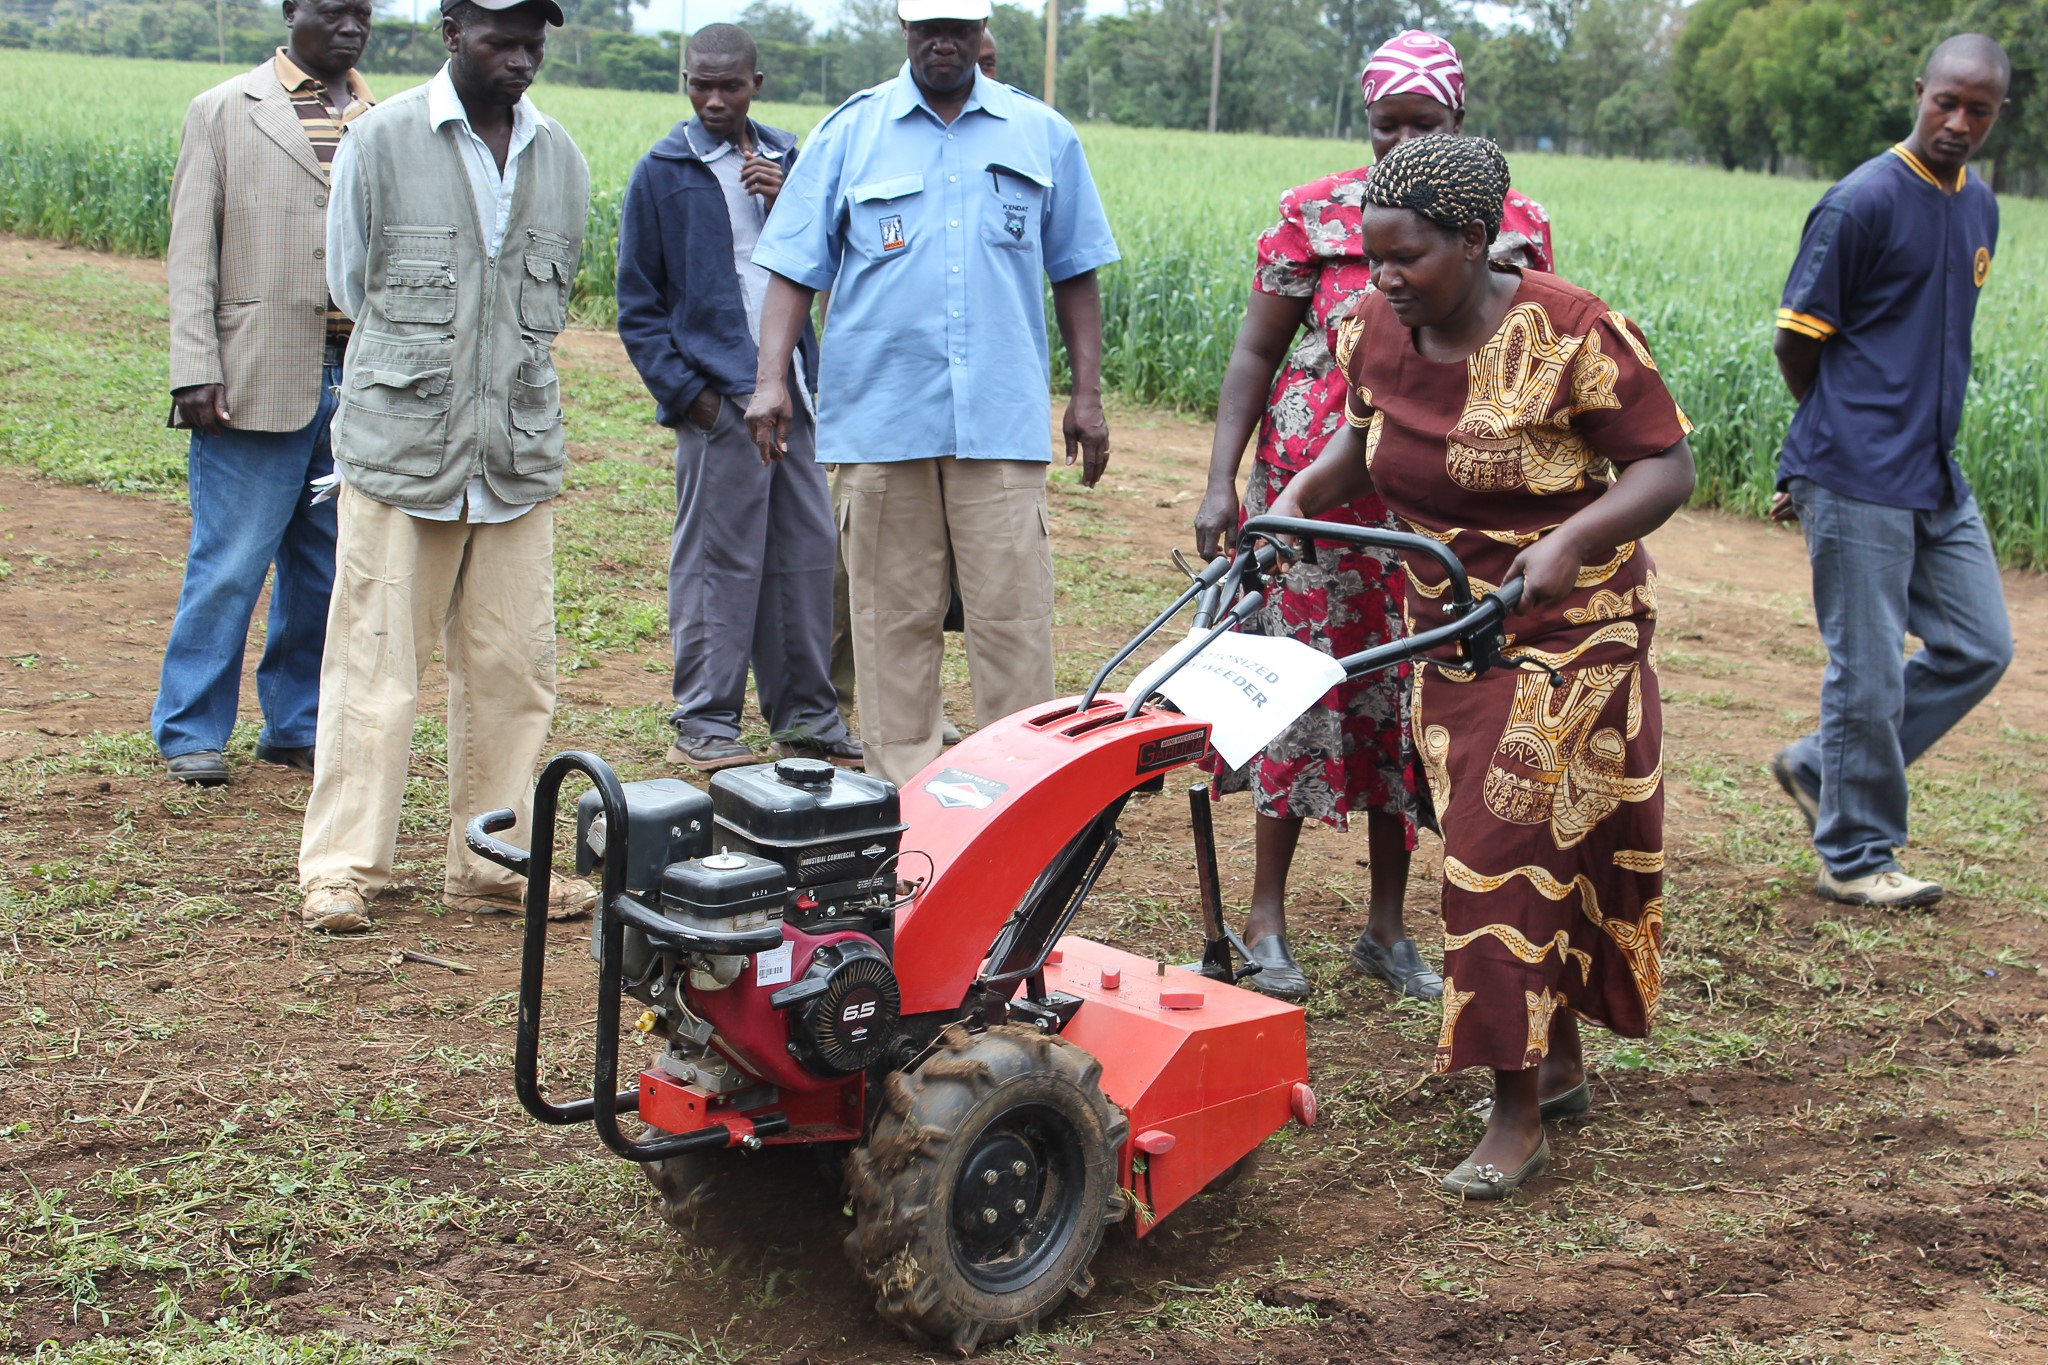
[977,1089]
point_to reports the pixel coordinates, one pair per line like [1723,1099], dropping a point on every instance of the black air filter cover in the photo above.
[843,1013]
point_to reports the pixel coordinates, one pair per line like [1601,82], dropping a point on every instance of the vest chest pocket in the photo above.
[544,289]
[1014,208]
[537,439]
[394,411]
[882,218]
[419,275]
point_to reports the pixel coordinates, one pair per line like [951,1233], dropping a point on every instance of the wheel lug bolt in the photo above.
[988,1215]
[1018,1168]
[988,1177]
[1017,1207]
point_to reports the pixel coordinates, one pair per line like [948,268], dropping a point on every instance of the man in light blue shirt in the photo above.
[934,207]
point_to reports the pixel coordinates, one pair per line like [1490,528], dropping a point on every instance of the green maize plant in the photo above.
[1696,256]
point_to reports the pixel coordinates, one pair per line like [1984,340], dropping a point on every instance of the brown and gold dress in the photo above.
[1551,797]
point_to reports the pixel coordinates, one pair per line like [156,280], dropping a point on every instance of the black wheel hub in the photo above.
[1017,1198]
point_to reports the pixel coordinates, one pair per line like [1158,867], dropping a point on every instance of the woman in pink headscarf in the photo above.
[1352,750]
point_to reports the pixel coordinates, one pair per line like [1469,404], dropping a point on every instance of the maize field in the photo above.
[1697,256]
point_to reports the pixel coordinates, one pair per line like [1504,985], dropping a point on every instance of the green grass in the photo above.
[1697,256]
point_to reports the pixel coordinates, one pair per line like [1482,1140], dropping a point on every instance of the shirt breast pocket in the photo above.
[881,216]
[1014,212]
[419,274]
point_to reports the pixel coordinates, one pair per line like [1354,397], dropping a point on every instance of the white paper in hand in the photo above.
[1249,688]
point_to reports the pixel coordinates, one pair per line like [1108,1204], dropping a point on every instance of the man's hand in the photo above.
[1215,520]
[203,407]
[703,413]
[763,176]
[1783,510]
[769,414]
[1087,432]
[1549,570]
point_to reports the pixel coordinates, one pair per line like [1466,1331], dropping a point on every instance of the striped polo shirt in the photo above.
[1888,274]
[324,131]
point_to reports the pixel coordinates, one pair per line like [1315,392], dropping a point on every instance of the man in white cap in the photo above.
[934,207]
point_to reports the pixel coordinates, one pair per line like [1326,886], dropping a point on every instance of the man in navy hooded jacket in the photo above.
[751,560]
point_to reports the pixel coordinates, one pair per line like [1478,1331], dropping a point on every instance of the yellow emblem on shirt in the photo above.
[1982,266]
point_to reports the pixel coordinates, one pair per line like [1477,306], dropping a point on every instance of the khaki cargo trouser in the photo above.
[908,530]
[402,585]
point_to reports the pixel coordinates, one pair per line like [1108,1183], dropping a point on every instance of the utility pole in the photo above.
[1052,51]
[683,48]
[1216,68]
[220,30]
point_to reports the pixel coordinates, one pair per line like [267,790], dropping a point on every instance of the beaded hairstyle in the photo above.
[1451,181]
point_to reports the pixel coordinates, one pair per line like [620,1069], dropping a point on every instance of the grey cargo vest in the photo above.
[451,369]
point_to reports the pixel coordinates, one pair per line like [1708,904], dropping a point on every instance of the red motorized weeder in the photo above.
[831,961]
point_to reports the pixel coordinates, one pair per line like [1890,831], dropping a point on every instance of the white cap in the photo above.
[920,11]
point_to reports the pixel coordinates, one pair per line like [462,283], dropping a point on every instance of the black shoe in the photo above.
[1400,966]
[201,768]
[1280,976]
[710,753]
[847,752]
[302,759]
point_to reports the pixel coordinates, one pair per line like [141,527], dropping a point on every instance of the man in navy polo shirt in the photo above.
[1874,342]
[935,206]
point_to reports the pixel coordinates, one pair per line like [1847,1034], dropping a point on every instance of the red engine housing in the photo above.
[751,1031]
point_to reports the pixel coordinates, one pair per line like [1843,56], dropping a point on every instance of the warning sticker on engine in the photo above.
[772,967]
[955,789]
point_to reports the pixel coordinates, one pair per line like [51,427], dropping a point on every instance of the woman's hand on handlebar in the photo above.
[1216,520]
[1550,569]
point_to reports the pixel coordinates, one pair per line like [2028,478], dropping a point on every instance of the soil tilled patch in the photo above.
[1833,1149]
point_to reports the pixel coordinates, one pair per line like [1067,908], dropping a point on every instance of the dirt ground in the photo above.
[220,1130]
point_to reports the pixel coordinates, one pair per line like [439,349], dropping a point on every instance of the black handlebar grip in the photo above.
[478,836]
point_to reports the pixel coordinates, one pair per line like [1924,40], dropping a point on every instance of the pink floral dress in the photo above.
[1352,750]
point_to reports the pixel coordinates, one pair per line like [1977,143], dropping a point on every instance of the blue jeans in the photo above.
[250,509]
[1879,572]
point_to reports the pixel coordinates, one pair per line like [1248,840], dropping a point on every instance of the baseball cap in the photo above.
[549,8]
[921,11]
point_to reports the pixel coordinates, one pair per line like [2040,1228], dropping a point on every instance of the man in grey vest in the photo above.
[452,240]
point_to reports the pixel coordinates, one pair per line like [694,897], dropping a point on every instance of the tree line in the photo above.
[1776,85]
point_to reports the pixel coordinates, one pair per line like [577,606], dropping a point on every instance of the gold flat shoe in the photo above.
[1484,1180]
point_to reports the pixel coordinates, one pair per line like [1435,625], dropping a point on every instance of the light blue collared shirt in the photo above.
[348,245]
[936,243]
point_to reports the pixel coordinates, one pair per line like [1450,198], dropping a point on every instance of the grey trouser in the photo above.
[1878,573]
[750,581]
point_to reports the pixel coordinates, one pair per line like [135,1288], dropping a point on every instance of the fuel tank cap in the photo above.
[805,772]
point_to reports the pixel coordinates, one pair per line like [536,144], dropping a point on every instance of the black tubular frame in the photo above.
[618,909]
[1257,551]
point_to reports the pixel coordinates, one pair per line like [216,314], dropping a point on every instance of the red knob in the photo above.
[1112,979]
[1303,1102]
